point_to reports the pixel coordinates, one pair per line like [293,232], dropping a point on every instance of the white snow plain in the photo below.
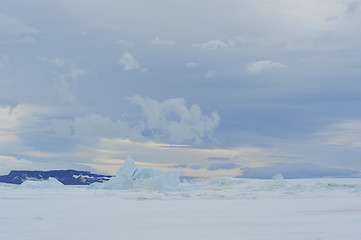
[222,208]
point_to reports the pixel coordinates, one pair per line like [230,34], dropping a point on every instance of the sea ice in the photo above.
[128,176]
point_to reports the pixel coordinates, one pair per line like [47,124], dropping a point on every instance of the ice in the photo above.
[50,183]
[128,176]
[127,170]
[278,177]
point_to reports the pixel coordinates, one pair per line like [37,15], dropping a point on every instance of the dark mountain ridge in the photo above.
[67,177]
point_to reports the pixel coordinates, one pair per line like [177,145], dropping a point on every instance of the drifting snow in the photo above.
[50,183]
[128,176]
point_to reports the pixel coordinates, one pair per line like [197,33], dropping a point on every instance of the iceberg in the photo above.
[129,176]
[50,183]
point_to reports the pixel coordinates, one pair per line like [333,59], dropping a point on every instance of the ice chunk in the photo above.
[50,183]
[128,176]
[127,170]
[164,180]
[278,177]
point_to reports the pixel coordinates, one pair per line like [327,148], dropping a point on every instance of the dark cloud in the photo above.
[195,167]
[218,166]
[217,158]
[352,7]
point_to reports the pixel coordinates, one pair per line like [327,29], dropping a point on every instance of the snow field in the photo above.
[220,209]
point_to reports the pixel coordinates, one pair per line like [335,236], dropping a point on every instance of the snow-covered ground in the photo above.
[222,208]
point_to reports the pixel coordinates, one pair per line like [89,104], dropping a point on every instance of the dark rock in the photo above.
[67,177]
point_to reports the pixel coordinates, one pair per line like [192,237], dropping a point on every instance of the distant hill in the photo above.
[67,177]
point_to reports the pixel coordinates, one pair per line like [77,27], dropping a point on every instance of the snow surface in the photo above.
[221,208]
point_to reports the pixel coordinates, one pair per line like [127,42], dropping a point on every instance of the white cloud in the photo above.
[213,45]
[172,121]
[13,30]
[128,62]
[211,74]
[236,40]
[218,44]
[161,41]
[259,66]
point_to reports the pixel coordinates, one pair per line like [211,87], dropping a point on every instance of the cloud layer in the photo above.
[250,90]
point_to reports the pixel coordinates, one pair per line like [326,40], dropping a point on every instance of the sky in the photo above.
[207,88]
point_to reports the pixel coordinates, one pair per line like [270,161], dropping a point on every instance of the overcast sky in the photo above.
[208,88]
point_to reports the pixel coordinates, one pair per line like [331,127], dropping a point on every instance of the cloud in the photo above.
[25,128]
[193,64]
[352,7]
[168,121]
[73,71]
[172,121]
[217,158]
[210,74]
[57,61]
[195,167]
[346,133]
[68,74]
[161,41]
[13,30]
[110,152]
[218,44]
[8,163]
[95,125]
[9,123]
[218,166]
[128,62]
[213,45]
[179,166]
[296,170]
[234,41]
[259,66]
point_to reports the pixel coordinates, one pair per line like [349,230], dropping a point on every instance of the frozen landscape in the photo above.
[151,204]
[243,118]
